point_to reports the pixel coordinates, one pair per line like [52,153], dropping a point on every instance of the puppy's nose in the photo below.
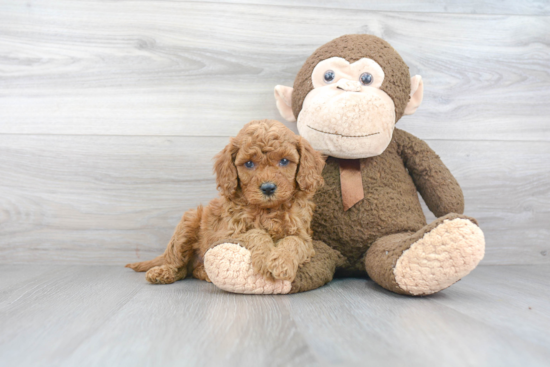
[268,188]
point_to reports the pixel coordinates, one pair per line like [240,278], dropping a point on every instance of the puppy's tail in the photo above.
[146,265]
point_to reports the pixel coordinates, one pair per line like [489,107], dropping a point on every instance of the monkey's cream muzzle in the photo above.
[348,85]
[347,120]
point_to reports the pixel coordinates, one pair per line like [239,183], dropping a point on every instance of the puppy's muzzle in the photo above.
[268,188]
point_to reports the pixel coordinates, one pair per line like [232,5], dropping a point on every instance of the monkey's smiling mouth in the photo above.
[344,136]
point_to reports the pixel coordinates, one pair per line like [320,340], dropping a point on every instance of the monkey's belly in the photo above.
[390,206]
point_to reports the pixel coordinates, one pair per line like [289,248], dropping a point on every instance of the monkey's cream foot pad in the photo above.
[441,257]
[229,267]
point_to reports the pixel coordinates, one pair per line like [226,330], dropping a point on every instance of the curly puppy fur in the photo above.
[275,228]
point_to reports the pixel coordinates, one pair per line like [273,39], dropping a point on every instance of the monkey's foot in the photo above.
[440,258]
[430,260]
[229,267]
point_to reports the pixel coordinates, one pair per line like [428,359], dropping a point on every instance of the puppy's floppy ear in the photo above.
[310,169]
[225,170]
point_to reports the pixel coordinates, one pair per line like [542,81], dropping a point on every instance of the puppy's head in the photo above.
[268,164]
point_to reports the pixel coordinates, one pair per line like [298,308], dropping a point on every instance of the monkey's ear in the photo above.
[283,97]
[417,93]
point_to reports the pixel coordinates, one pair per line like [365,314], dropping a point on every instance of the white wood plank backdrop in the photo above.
[110,111]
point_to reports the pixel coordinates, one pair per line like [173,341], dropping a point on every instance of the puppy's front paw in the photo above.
[163,274]
[282,265]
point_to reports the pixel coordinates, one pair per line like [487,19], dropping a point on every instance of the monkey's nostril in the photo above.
[268,188]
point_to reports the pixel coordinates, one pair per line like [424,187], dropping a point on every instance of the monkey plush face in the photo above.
[348,96]
[346,114]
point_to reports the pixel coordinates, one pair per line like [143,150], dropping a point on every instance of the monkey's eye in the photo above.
[284,162]
[329,76]
[366,78]
[249,164]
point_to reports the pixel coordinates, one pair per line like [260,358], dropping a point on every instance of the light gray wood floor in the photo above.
[109,316]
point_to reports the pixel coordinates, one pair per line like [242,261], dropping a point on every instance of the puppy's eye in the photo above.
[249,164]
[366,78]
[284,162]
[329,76]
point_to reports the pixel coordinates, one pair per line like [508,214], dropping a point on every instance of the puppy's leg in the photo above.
[200,273]
[288,255]
[260,244]
[165,274]
[172,265]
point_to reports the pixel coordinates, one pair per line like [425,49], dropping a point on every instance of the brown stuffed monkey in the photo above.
[346,100]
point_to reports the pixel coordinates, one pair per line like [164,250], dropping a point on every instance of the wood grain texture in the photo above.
[517,294]
[189,68]
[198,325]
[524,7]
[506,187]
[104,315]
[110,111]
[99,199]
[52,314]
[90,199]
[408,331]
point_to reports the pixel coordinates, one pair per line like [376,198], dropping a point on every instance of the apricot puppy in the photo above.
[266,176]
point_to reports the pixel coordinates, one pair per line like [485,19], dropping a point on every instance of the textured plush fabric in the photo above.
[347,125]
[391,202]
[229,267]
[386,252]
[319,270]
[353,47]
[455,246]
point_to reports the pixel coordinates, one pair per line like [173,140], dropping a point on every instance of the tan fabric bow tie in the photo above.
[351,182]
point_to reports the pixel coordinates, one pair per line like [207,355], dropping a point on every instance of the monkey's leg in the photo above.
[319,270]
[430,260]
[230,268]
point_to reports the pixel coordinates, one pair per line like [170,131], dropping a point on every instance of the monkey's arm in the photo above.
[432,178]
